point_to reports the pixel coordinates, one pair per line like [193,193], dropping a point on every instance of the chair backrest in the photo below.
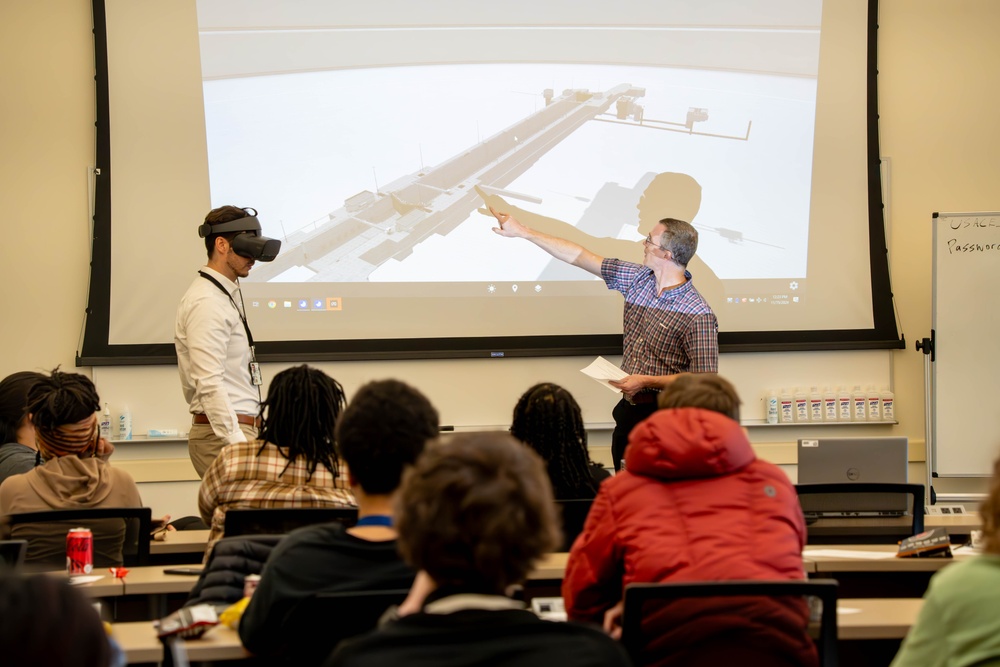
[849,512]
[281,520]
[574,515]
[316,624]
[639,597]
[136,527]
[12,554]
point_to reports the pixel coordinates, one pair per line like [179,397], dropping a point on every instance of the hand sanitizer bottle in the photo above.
[106,423]
[888,405]
[874,400]
[859,403]
[787,407]
[815,405]
[845,408]
[801,405]
[829,405]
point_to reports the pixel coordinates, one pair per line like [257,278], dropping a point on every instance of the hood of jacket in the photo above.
[69,482]
[687,443]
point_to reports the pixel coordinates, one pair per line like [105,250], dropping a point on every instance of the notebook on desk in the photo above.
[847,460]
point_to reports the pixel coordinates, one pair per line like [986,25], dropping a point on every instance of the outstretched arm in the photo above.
[561,249]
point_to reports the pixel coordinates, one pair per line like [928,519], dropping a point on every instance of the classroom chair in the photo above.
[136,525]
[282,520]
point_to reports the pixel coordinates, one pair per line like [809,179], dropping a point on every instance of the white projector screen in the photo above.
[359,131]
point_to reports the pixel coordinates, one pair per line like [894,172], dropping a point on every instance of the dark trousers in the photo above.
[626,417]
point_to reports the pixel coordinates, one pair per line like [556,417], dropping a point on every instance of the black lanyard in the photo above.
[243,319]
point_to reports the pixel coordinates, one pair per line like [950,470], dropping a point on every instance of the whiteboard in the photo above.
[966,370]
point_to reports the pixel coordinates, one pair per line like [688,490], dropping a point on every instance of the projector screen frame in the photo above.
[96,349]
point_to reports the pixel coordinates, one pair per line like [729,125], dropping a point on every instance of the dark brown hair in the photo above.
[476,512]
[48,622]
[222,214]
[14,402]
[710,391]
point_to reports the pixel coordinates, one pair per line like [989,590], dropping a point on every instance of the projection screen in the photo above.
[361,132]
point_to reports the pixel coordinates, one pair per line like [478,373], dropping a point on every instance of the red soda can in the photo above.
[79,552]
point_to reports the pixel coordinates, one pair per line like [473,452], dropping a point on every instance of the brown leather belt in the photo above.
[249,420]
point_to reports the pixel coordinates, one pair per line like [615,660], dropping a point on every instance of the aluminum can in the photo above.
[250,584]
[79,552]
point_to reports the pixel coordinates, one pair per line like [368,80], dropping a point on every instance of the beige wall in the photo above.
[938,102]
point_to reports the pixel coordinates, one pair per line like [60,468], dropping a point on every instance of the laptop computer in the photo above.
[847,460]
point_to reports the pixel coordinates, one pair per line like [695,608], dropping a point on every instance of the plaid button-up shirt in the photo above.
[240,478]
[663,335]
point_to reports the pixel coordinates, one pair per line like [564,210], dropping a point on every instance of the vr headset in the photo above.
[251,246]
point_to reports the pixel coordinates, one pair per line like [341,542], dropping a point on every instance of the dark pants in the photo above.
[626,417]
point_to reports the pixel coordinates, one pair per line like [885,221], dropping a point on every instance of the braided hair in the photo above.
[548,419]
[62,398]
[302,406]
[62,407]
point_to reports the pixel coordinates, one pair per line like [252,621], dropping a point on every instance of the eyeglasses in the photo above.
[649,241]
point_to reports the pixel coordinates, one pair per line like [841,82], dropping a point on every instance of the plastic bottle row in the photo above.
[124,430]
[840,405]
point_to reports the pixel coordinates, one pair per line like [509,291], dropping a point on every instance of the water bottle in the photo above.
[772,407]
[125,425]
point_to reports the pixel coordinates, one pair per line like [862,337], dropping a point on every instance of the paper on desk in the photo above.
[603,370]
[85,580]
[848,553]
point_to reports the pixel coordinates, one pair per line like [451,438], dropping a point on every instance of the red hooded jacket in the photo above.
[694,504]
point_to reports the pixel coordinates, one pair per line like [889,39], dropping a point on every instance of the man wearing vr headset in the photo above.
[219,373]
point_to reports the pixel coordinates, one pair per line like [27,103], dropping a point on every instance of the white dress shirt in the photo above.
[213,356]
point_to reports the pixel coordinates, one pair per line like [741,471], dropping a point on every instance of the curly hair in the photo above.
[990,513]
[300,416]
[476,512]
[709,391]
[383,430]
[548,419]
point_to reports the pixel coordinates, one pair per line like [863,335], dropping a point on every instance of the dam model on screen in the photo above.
[372,228]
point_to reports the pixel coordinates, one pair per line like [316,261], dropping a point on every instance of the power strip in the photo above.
[945,509]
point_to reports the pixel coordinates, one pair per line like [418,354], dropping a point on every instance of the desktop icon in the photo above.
[272,304]
[288,304]
[334,303]
[303,304]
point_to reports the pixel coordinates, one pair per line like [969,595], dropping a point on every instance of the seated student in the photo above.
[475,514]
[18,451]
[548,419]
[695,503]
[46,621]
[76,475]
[959,623]
[293,462]
[382,431]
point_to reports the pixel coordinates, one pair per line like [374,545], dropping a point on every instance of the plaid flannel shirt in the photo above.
[240,478]
[664,334]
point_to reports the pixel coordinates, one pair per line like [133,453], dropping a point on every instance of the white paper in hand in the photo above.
[602,371]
